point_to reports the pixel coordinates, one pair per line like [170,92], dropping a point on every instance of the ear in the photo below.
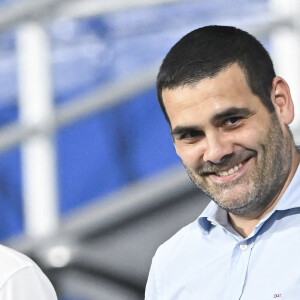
[282,100]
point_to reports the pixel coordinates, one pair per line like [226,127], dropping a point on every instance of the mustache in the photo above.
[227,162]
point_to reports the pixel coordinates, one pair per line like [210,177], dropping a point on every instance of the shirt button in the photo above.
[243,247]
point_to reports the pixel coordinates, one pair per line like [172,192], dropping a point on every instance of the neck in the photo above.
[245,225]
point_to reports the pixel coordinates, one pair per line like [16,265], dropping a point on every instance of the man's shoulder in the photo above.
[12,261]
[21,278]
[179,242]
[14,258]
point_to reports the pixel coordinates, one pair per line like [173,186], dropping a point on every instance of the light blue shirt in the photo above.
[208,260]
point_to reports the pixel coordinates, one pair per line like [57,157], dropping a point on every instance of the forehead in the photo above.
[209,96]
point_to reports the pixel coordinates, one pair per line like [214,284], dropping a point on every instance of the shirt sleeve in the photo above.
[29,283]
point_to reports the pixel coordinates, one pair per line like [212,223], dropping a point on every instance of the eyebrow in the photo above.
[232,111]
[178,130]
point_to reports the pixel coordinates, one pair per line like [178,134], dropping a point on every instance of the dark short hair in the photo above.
[204,52]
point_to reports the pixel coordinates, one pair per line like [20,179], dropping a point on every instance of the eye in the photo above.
[232,121]
[190,135]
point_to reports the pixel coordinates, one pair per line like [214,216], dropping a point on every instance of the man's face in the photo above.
[232,147]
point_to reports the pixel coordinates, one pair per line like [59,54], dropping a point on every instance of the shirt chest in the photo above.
[264,267]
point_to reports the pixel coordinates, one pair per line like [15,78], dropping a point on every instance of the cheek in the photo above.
[190,154]
[250,138]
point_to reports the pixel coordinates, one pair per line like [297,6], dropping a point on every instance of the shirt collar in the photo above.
[215,215]
[212,215]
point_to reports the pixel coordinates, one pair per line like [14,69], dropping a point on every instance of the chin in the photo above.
[239,200]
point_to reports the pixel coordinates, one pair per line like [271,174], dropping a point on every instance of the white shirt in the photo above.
[21,278]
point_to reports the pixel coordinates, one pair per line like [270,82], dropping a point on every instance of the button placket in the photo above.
[238,270]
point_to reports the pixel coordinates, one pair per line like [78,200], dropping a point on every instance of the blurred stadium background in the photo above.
[90,184]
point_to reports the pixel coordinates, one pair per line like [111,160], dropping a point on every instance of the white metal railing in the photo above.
[41,10]
[103,98]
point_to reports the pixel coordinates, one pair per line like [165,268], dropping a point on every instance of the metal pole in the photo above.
[285,45]
[38,151]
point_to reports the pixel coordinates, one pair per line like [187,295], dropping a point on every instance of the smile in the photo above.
[230,171]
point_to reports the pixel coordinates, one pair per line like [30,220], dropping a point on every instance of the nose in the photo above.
[217,147]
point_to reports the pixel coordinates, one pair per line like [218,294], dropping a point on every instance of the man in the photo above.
[22,279]
[229,114]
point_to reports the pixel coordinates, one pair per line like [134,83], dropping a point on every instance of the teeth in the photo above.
[224,173]
[230,171]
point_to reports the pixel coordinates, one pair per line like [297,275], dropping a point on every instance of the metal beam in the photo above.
[105,97]
[43,10]
[23,11]
[88,8]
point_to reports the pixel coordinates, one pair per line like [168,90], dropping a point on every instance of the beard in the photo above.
[255,190]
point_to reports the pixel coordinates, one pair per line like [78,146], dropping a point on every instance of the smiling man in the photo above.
[228,115]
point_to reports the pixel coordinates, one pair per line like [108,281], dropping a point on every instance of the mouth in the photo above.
[230,171]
